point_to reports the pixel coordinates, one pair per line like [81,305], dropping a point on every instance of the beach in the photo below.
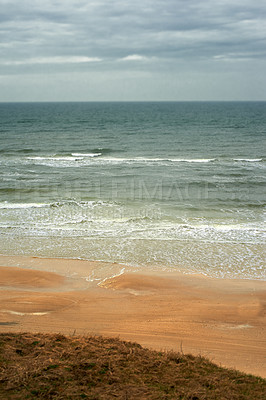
[222,319]
[166,200]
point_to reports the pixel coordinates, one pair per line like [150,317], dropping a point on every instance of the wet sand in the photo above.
[221,319]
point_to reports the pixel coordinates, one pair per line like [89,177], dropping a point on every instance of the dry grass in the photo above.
[38,366]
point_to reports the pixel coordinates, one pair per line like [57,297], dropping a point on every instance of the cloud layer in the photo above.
[178,39]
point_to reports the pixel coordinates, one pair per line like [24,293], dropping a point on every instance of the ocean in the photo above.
[164,185]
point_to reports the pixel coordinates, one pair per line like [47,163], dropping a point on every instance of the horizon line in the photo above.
[131,101]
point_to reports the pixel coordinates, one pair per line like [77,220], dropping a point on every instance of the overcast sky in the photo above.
[101,50]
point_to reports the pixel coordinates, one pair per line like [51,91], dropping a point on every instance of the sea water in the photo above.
[177,186]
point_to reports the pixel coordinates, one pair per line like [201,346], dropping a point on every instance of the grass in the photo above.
[42,366]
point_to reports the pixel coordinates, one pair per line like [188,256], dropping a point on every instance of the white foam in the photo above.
[6,205]
[86,154]
[112,276]
[164,160]
[66,158]
[248,159]
[86,158]
[93,278]
[193,160]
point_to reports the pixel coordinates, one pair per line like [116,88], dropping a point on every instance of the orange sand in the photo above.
[221,319]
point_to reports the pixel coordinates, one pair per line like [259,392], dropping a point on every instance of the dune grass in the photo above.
[43,366]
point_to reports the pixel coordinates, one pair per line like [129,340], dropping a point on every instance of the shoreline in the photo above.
[22,260]
[222,319]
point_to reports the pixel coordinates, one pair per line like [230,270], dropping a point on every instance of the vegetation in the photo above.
[42,366]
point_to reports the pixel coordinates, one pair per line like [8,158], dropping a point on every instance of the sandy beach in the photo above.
[221,319]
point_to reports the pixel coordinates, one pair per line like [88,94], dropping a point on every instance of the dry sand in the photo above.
[221,319]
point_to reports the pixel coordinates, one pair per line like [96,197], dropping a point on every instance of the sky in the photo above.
[125,50]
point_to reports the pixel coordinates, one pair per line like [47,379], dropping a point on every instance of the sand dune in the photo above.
[221,319]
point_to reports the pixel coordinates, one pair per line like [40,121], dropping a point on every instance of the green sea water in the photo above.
[177,186]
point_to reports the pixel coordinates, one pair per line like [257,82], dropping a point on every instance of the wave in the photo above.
[6,205]
[58,204]
[10,152]
[139,219]
[25,151]
[89,158]
[64,157]
[54,161]
[95,152]
[86,154]
[196,160]
[81,203]
[157,159]
[101,152]
[55,158]
[99,157]
[128,230]
[105,150]
[248,159]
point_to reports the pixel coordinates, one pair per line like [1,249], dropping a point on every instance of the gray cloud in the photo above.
[102,36]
